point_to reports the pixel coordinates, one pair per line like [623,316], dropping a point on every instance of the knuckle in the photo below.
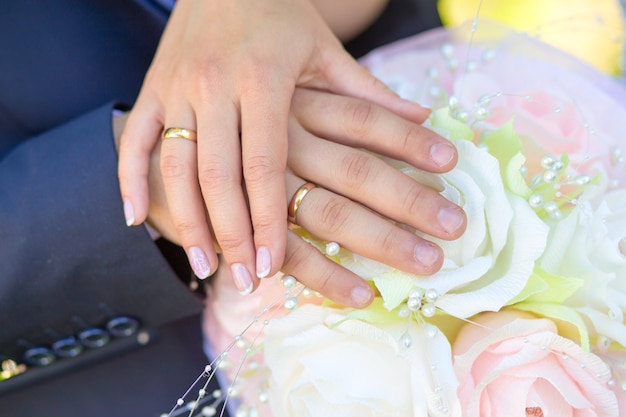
[413,202]
[334,215]
[360,115]
[172,167]
[356,168]
[387,242]
[409,137]
[260,168]
[185,228]
[230,242]
[296,257]
[215,177]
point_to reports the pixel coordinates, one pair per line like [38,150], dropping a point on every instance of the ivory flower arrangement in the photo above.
[526,317]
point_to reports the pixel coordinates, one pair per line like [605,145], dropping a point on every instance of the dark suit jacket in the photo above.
[80,293]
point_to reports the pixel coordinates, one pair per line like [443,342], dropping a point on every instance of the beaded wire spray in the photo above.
[554,194]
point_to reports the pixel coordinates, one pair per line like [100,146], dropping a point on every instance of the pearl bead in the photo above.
[332,248]
[550,176]
[488,55]
[289,282]
[523,170]
[416,293]
[434,92]
[453,102]
[432,72]
[558,166]
[207,369]
[291,303]
[461,116]
[180,402]
[471,66]
[481,113]
[264,396]
[209,411]
[431,295]
[414,304]
[535,200]
[550,207]
[406,341]
[429,310]
[547,162]
[430,331]
[447,49]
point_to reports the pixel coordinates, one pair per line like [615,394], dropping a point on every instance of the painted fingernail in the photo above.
[442,153]
[129,212]
[450,218]
[426,254]
[361,296]
[263,262]
[199,262]
[243,280]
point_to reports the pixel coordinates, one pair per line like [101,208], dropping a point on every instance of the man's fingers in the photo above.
[360,124]
[321,274]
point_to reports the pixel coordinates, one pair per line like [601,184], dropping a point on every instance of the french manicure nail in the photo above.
[129,212]
[360,295]
[450,218]
[263,262]
[199,262]
[442,153]
[242,278]
[426,254]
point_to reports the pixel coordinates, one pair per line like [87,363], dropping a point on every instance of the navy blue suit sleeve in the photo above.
[67,258]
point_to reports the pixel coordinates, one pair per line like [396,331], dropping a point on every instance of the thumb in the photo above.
[347,77]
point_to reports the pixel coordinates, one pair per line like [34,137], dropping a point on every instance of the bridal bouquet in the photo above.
[526,317]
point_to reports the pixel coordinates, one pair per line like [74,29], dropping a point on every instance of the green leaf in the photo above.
[442,119]
[544,287]
[374,313]
[394,287]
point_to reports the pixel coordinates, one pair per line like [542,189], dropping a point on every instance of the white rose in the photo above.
[586,244]
[323,368]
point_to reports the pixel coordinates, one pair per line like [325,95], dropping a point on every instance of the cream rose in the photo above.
[508,366]
[590,244]
[323,365]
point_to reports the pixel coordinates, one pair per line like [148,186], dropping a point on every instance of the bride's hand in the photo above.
[228,69]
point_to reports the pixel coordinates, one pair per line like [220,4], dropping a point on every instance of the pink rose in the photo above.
[514,367]
[558,103]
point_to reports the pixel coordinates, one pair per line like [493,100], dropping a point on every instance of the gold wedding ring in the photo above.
[296,200]
[180,133]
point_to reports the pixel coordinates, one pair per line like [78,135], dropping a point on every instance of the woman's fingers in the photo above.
[264,124]
[220,177]
[138,139]
[179,169]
